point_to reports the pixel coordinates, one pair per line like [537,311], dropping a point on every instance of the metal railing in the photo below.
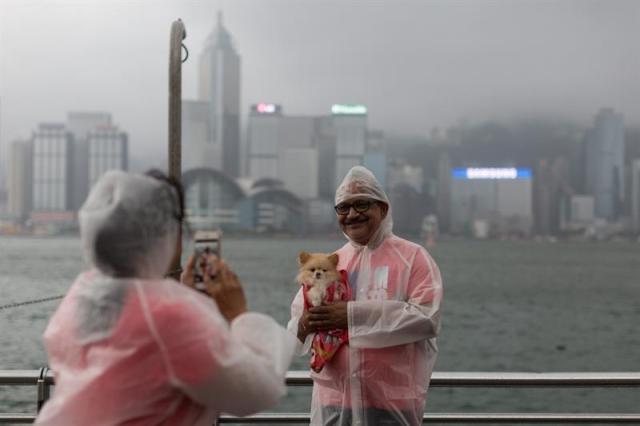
[42,379]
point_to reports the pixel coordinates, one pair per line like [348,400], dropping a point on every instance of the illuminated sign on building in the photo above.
[491,173]
[344,109]
[263,108]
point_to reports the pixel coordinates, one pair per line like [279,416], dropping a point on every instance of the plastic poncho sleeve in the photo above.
[378,324]
[238,369]
[297,308]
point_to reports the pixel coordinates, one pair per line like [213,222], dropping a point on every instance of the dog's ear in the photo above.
[334,258]
[303,257]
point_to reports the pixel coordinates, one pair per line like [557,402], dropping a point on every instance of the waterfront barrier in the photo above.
[43,379]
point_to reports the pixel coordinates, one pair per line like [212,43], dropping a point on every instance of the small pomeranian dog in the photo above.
[322,283]
[318,271]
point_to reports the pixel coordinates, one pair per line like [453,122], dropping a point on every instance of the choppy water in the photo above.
[509,306]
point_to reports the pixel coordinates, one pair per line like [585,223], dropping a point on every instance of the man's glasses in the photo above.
[359,206]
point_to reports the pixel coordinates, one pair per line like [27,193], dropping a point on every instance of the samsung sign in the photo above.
[491,173]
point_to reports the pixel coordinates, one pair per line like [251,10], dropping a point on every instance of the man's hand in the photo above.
[304,328]
[329,317]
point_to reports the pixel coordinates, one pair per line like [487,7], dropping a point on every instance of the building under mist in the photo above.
[491,201]
[350,122]
[51,173]
[54,182]
[219,92]
[287,149]
[264,132]
[99,146]
[20,180]
[552,194]
[375,156]
[604,164]
[635,195]
[310,154]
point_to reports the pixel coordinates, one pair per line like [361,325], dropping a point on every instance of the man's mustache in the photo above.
[353,221]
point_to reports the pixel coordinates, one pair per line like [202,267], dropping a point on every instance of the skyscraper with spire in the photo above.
[219,87]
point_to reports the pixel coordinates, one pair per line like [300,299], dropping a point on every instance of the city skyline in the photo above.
[443,64]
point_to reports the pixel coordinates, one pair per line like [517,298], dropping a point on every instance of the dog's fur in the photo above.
[318,271]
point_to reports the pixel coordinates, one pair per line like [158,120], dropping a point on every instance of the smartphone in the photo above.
[206,244]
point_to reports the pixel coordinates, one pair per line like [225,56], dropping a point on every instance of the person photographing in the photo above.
[128,346]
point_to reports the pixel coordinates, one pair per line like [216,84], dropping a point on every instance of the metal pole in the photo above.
[42,388]
[178,33]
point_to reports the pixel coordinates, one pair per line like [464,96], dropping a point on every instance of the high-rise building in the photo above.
[551,195]
[98,146]
[300,172]
[80,124]
[604,157]
[375,157]
[219,86]
[52,169]
[199,151]
[443,203]
[635,195]
[20,180]
[264,135]
[108,150]
[289,149]
[500,198]
[338,142]
[350,123]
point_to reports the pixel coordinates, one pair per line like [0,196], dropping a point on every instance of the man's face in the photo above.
[361,225]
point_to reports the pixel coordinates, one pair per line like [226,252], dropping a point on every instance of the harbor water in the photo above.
[509,306]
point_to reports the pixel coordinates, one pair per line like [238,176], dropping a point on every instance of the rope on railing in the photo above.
[31,302]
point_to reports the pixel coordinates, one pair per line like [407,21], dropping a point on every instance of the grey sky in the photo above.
[416,64]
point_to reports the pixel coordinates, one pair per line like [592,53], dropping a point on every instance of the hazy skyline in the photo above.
[415,64]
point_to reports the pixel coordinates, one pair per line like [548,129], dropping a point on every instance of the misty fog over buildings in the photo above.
[487,118]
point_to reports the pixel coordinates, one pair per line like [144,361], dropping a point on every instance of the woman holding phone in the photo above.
[129,346]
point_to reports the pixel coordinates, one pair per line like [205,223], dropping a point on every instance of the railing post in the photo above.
[178,33]
[42,388]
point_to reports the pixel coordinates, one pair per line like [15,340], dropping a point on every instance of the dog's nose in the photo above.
[318,274]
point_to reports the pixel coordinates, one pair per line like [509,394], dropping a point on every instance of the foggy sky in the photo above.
[416,64]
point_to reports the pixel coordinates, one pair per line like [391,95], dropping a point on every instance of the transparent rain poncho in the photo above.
[130,347]
[382,376]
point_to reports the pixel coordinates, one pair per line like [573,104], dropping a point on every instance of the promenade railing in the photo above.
[43,379]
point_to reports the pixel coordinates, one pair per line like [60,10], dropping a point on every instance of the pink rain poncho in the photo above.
[382,375]
[148,350]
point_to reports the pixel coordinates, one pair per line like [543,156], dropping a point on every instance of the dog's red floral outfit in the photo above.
[325,344]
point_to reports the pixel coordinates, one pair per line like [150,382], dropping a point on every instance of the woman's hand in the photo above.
[208,265]
[187,277]
[329,317]
[221,284]
[227,291]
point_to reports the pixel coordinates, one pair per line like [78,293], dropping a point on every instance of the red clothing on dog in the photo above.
[326,343]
